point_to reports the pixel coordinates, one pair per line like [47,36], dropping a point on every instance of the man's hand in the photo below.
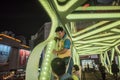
[56,38]
[54,51]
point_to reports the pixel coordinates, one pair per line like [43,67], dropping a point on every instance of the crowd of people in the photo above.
[114,70]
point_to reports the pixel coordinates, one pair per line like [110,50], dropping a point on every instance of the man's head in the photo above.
[60,32]
[58,66]
[76,67]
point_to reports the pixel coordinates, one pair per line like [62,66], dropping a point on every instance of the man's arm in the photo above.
[66,47]
[60,52]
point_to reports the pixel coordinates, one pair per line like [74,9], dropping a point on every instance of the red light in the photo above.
[85,6]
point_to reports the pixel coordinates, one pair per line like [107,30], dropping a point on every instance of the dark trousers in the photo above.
[69,63]
[103,76]
[115,75]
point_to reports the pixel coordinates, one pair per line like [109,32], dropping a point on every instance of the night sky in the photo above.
[23,17]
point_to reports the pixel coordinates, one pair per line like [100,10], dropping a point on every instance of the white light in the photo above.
[47,55]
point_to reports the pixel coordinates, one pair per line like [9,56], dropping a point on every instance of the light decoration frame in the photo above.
[99,38]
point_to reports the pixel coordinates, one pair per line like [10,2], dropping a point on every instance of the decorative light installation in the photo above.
[46,69]
[99,38]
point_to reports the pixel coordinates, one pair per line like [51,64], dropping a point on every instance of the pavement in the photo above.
[97,76]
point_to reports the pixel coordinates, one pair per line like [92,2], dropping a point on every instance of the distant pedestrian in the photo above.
[88,68]
[102,71]
[93,67]
[114,69]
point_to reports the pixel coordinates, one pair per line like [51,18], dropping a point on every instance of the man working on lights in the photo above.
[64,50]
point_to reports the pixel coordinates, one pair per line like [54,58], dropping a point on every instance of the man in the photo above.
[102,71]
[114,69]
[64,46]
[58,67]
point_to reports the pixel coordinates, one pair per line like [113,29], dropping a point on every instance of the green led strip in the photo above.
[70,3]
[46,68]
[90,28]
[33,62]
[98,30]
[90,8]
[93,16]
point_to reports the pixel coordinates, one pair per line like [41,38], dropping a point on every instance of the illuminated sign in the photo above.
[4,53]
[24,54]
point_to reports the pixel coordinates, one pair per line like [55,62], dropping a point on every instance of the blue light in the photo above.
[4,53]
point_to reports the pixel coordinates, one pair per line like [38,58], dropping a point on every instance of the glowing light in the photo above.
[25,46]
[1,38]
[85,6]
[10,37]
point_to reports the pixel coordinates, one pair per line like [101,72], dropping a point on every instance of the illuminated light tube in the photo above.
[82,46]
[10,37]
[98,8]
[47,61]
[68,5]
[98,30]
[109,41]
[112,54]
[100,35]
[25,46]
[89,48]
[103,44]
[93,16]
[100,39]
[116,30]
[90,28]
[92,49]
[1,38]
[117,50]
[92,45]
[85,53]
